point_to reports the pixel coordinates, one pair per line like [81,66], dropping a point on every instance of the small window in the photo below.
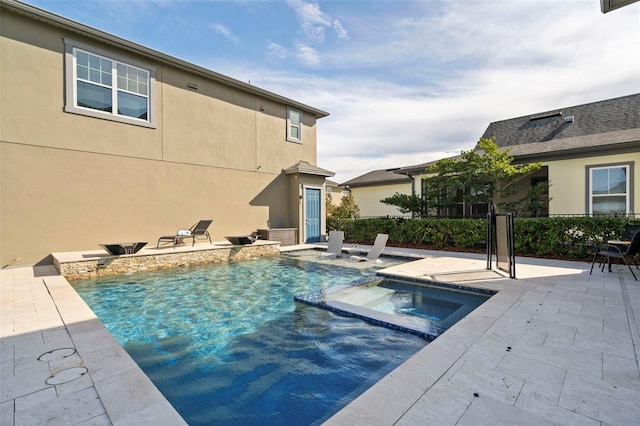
[609,191]
[294,125]
[108,86]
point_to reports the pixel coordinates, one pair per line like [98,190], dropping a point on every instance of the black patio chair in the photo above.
[629,232]
[625,252]
[197,230]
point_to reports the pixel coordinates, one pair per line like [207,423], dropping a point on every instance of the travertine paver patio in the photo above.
[556,346]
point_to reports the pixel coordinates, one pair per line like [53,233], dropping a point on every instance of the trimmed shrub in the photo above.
[572,237]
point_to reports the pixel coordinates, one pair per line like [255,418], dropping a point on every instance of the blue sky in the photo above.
[406,82]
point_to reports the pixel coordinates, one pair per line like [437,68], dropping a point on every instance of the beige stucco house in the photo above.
[335,192]
[589,154]
[103,140]
[367,191]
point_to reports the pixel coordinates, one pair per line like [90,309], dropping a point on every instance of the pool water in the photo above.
[226,343]
[441,306]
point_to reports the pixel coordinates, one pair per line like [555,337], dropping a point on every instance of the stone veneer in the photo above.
[98,266]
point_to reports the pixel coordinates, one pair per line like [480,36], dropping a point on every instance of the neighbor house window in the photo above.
[609,189]
[294,125]
[104,85]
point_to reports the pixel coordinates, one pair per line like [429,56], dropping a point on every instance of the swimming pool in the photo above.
[226,344]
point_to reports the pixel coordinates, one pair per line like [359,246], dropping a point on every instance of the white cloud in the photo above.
[225,32]
[339,29]
[276,50]
[307,54]
[315,22]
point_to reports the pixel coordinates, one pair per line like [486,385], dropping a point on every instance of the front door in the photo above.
[312,215]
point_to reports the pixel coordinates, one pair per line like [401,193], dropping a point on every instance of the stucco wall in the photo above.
[70,182]
[368,199]
[568,181]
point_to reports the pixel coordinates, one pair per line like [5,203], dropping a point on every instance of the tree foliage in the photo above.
[346,209]
[483,175]
[407,204]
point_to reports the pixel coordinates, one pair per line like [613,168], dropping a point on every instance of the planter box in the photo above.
[286,236]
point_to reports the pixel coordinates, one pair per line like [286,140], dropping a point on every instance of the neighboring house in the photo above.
[367,191]
[335,192]
[104,140]
[589,155]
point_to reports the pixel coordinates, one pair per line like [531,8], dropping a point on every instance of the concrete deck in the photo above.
[555,346]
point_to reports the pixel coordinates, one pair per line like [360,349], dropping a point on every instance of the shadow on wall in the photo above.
[276,197]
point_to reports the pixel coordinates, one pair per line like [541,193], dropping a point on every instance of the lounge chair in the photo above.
[334,249]
[378,245]
[622,251]
[197,230]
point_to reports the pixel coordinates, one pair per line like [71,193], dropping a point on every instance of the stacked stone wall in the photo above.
[115,265]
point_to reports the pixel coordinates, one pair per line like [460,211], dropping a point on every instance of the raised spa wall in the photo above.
[82,265]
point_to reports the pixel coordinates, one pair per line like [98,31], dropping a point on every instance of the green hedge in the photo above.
[572,237]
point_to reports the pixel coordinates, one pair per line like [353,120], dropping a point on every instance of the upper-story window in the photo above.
[108,86]
[294,125]
[609,189]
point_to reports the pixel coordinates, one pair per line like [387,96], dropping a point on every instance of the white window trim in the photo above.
[70,85]
[289,137]
[629,184]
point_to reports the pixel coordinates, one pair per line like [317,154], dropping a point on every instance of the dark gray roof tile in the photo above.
[611,115]
[377,177]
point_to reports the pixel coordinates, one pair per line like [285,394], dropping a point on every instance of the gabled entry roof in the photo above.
[306,168]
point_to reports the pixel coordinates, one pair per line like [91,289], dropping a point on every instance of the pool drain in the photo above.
[57,354]
[66,376]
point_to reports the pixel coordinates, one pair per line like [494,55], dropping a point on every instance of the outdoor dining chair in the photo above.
[626,252]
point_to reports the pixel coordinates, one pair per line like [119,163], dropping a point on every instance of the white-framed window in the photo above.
[294,125]
[104,85]
[609,189]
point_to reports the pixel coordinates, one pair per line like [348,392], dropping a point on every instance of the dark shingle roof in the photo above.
[611,115]
[612,125]
[377,177]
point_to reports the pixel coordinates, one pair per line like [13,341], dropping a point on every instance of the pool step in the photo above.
[363,296]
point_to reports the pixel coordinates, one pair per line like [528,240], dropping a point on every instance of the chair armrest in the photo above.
[610,247]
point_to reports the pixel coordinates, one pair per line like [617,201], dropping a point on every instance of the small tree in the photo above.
[346,209]
[407,204]
[482,175]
